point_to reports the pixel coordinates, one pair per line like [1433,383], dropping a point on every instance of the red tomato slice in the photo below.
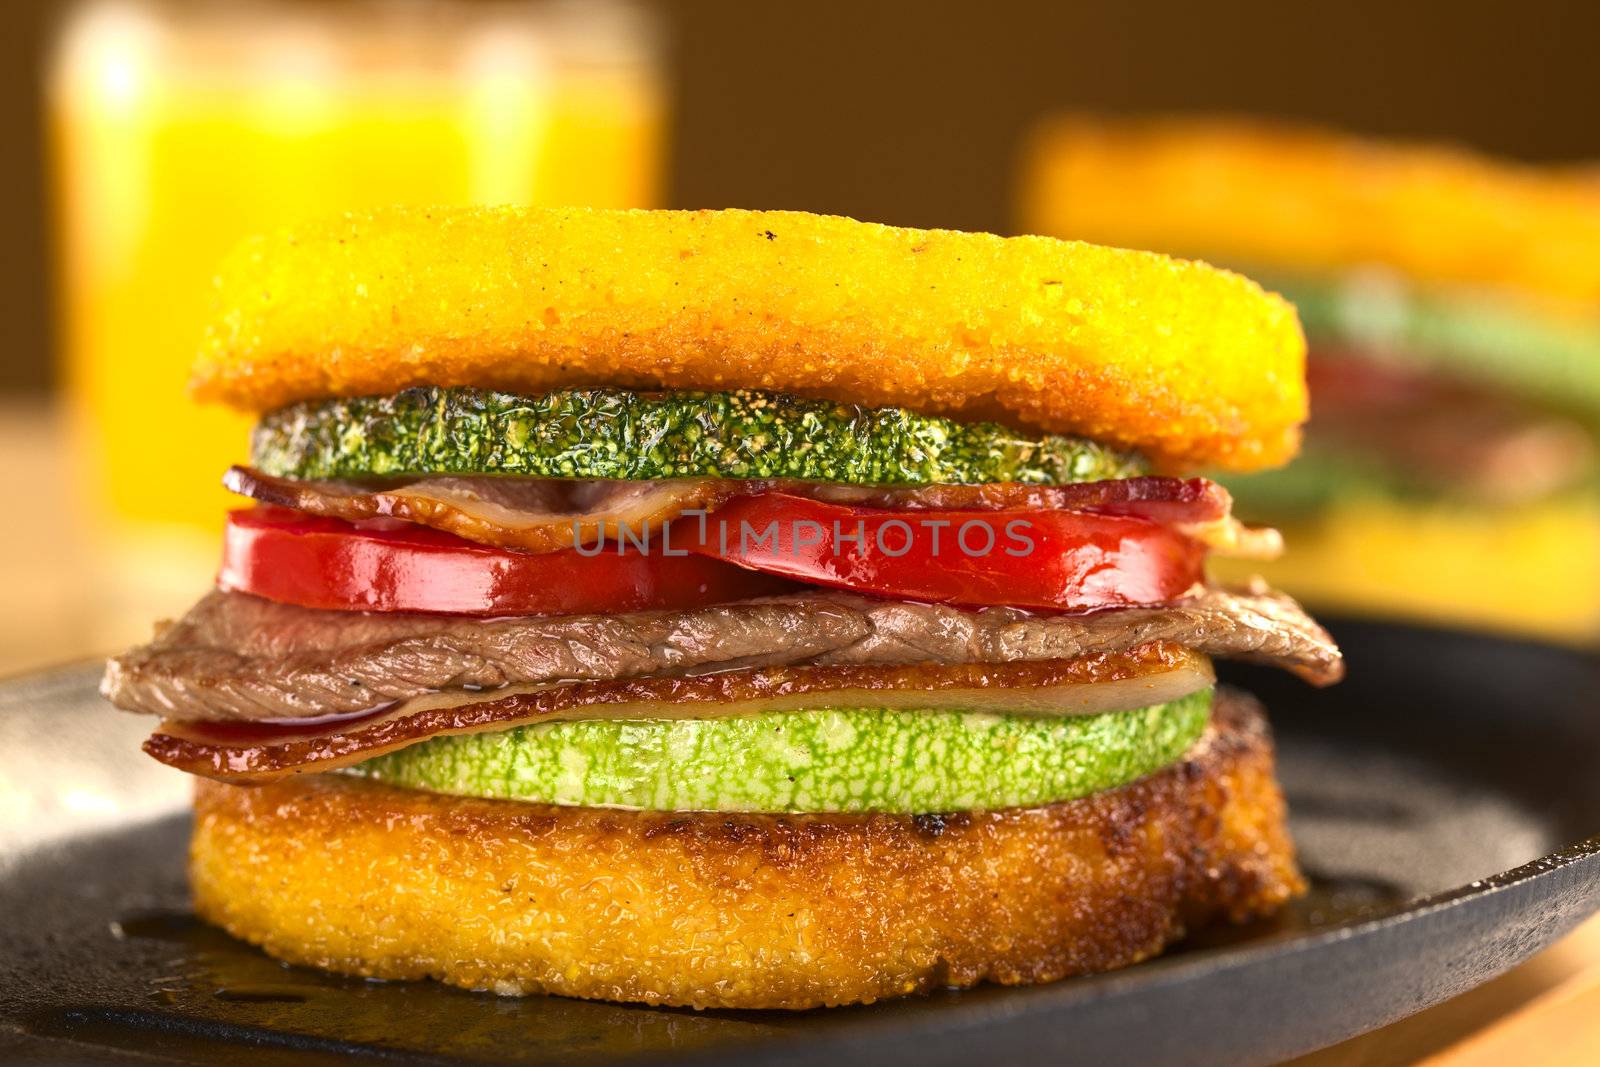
[385,565]
[1054,560]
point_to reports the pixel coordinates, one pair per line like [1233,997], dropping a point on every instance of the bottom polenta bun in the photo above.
[737,910]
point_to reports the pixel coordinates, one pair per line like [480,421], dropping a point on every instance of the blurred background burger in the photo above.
[1452,302]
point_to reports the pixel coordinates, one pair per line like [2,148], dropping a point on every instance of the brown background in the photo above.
[910,112]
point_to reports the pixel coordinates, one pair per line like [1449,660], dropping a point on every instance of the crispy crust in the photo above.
[1277,196]
[1192,365]
[743,911]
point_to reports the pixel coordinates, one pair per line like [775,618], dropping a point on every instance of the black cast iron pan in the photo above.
[1446,800]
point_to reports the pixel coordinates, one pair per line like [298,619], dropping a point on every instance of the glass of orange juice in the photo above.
[178,128]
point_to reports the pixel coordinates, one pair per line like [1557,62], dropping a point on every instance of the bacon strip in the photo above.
[531,514]
[250,752]
[544,515]
[1197,507]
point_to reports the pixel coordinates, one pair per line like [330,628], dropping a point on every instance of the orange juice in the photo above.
[180,128]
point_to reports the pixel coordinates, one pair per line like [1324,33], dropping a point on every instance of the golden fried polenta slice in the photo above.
[743,911]
[1285,196]
[1192,365]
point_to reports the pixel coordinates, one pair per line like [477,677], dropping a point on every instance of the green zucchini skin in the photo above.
[826,760]
[1467,335]
[619,434]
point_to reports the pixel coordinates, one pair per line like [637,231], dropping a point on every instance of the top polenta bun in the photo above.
[1191,365]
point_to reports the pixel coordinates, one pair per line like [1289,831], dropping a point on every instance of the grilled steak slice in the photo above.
[238,657]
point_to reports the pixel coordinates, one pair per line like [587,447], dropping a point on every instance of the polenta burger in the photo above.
[729,609]
[1452,466]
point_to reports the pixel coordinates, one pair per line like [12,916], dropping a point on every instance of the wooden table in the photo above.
[1546,1012]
